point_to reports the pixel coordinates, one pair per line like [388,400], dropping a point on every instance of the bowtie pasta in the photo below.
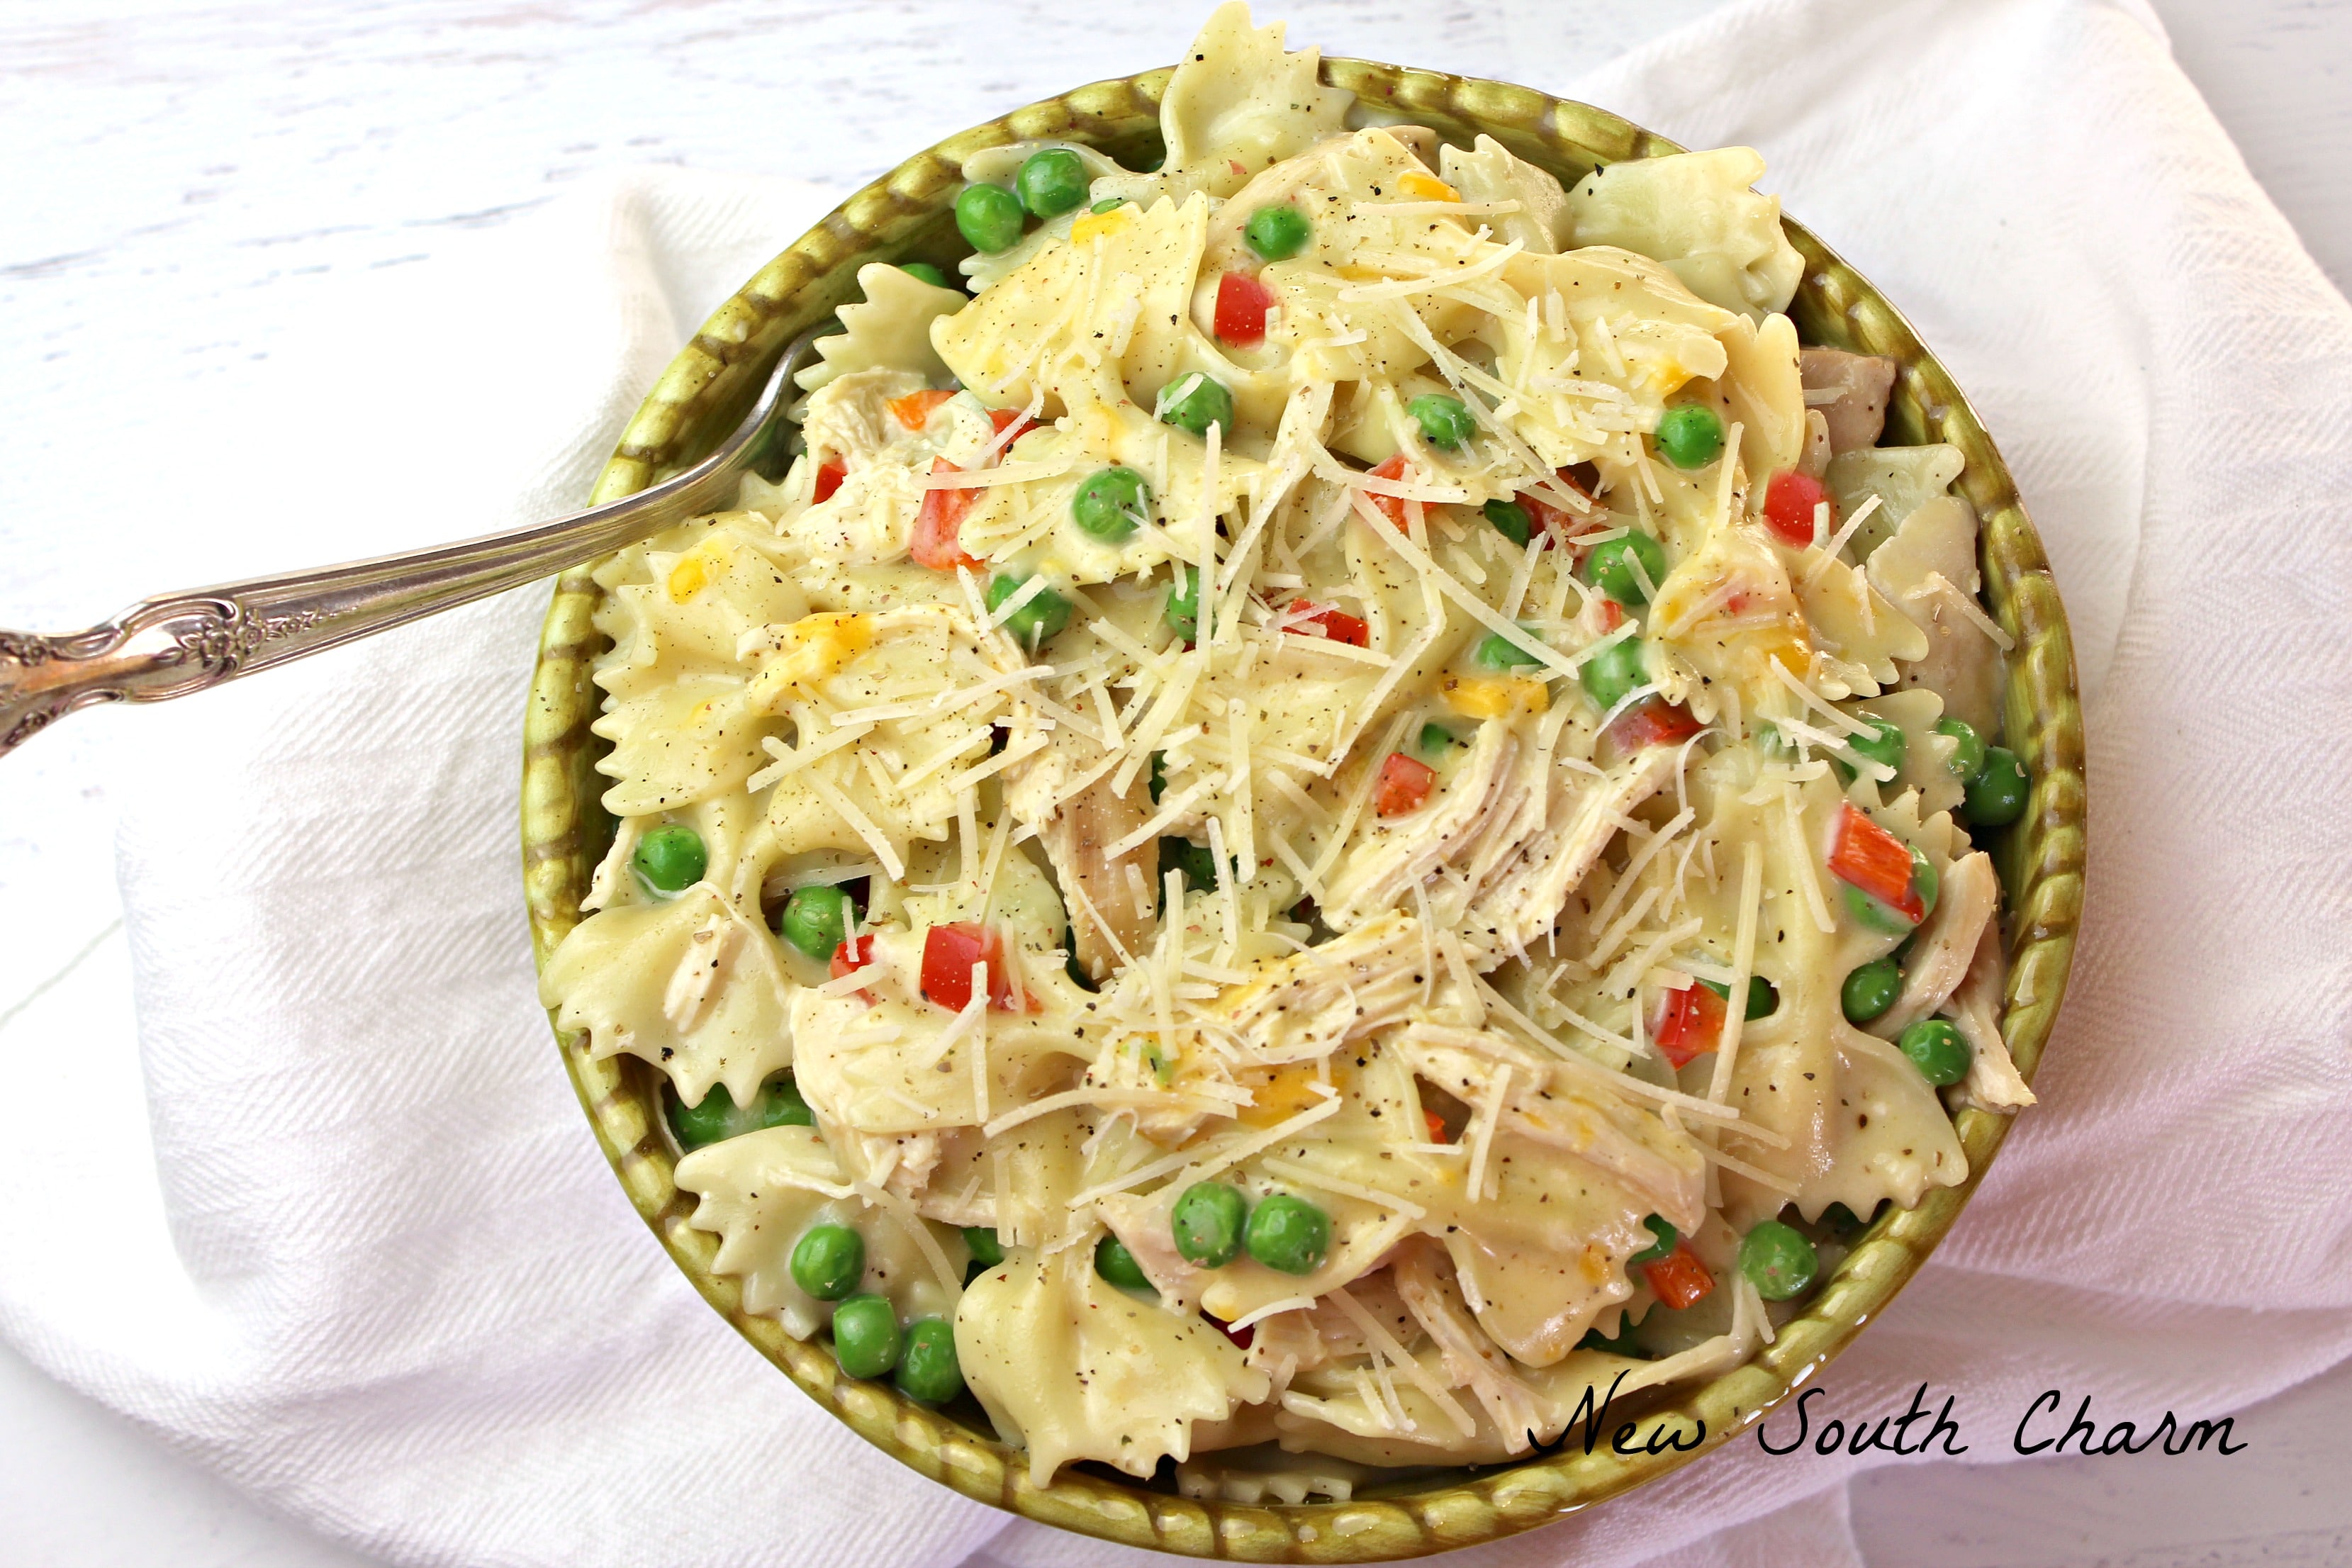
[1331,806]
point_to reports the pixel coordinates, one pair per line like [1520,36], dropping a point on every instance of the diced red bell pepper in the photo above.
[950,951]
[1404,786]
[852,955]
[1691,1025]
[1653,722]
[1332,622]
[829,475]
[1789,503]
[1546,521]
[1435,1124]
[1679,1279]
[914,410]
[1865,855]
[1581,478]
[1558,524]
[939,522]
[1390,507]
[1012,419]
[1241,304]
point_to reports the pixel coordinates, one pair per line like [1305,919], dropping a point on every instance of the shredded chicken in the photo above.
[1520,831]
[1937,544]
[1993,1082]
[1424,1280]
[1948,942]
[1106,919]
[1314,1002]
[1857,415]
[1818,451]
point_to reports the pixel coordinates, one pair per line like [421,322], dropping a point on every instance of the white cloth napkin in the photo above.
[342,1233]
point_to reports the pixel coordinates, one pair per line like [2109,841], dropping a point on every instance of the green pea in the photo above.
[1777,1260]
[778,1104]
[1609,675]
[1690,435]
[1111,505]
[989,216]
[1996,796]
[1869,989]
[1108,204]
[1208,1222]
[828,1262]
[698,1126]
[1623,1344]
[1667,1235]
[926,271]
[1609,568]
[1878,916]
[670,858]
[1927,880]
[983,1243]
[1288,1235]
[1051,183]
[1496,651]
[816,919]
[1968,749]
[1115,1263]
[1195,403]
[1935,1048]
[866,1336]
[927,1370]
[1435,739]
[1511,521]
[1763,997]
[1183,611]
[1444,422]
[1035,623]
[1277,233]
[1873,915]
[1885,744]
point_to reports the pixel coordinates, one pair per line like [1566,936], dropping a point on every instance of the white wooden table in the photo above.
[185,177]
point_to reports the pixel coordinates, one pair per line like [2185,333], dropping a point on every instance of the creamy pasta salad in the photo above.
[1333,804]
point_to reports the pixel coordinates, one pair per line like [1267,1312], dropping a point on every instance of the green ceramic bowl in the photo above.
[906,216]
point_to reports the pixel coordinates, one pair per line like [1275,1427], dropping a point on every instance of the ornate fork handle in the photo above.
[180,642]
[157,649]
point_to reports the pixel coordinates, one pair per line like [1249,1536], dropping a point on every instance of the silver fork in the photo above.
[180,642]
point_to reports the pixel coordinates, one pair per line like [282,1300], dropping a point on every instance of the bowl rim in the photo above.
[904,216]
